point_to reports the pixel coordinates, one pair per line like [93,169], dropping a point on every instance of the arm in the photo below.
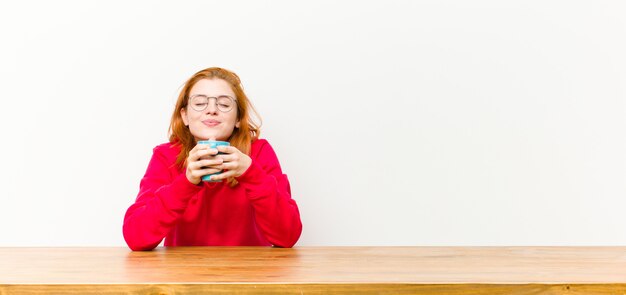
[268,189]
[159,205]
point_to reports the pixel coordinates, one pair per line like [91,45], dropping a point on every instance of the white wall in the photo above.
[398,122]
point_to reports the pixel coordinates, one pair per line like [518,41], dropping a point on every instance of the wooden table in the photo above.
[317,270]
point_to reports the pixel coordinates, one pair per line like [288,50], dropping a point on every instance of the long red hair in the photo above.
[242,137]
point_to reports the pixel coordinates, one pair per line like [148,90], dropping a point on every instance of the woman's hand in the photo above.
[235,162]
[202,160]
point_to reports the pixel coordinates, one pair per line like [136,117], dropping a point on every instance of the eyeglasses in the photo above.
[200,102]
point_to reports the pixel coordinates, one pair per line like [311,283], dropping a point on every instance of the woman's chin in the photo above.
[206,135]
[209,137]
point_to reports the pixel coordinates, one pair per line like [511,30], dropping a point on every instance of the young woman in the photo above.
[251,205]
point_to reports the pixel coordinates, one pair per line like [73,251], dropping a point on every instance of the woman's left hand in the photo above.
[235,162]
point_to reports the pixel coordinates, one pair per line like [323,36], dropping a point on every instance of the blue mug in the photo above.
[213,144]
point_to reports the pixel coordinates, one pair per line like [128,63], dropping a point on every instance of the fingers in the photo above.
[203,164]
[228,157]
[223,175]
[227,149]
[228,166]
[201,151]
[211,163]
[206,152]
[193,151]
[202,172]
[202,157]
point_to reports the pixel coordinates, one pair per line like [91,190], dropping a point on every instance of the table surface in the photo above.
[346,267]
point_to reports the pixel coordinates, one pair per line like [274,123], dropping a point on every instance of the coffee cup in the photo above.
[213,144]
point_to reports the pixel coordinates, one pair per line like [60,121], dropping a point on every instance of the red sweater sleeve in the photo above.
[268,189]
[160,203]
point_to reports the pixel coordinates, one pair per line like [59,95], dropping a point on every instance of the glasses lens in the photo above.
[225,103]
[199,102]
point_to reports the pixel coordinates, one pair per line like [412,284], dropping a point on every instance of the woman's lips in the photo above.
[211,123]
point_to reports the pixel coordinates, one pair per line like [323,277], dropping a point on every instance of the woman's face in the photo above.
[210,122]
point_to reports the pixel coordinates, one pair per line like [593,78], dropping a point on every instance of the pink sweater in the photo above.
[259,211]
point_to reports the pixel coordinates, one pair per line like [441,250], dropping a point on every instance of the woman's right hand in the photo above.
[200,161]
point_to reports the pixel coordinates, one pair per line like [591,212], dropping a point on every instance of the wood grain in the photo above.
[315,270]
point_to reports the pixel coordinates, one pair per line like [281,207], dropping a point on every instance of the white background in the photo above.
[397,122]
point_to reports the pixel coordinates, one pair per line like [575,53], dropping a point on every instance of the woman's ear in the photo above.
[183,115]
[237,124]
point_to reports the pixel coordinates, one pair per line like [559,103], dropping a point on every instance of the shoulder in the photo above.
[263,154]
[262,150]
[258,144]
[167,150]
[260,147]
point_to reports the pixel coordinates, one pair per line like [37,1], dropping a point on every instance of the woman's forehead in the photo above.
[212,87]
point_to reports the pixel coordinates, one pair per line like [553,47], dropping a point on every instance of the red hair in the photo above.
[241,138]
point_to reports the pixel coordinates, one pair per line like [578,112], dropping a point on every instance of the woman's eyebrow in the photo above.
[192,94]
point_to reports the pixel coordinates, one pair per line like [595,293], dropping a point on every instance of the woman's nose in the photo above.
[211,108]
